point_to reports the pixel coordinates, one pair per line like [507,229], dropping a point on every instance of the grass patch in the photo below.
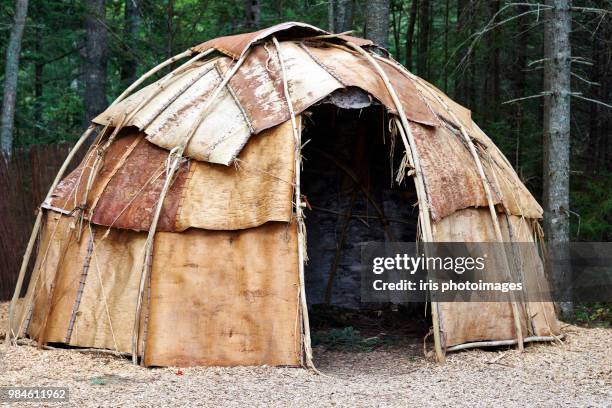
[349,339]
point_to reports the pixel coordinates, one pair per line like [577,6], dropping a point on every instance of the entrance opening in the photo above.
[350,161]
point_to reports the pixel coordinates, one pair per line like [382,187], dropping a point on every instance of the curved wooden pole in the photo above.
[410,145]
[28,253]
[486,187]
[299,214]
[149,73]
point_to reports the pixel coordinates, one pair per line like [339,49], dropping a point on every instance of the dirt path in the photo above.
[576,373]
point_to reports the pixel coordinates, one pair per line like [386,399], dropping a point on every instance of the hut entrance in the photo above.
[348,179]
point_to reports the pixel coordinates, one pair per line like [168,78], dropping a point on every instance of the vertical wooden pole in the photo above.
[299,214]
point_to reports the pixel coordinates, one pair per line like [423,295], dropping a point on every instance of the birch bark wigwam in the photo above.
[209,113]
[11,71]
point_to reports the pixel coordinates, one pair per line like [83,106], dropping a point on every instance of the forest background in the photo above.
[73,57]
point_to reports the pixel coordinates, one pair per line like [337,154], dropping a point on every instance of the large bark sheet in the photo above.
[452,181]
[216,297]
[225,298]
[203,195]
[463,322]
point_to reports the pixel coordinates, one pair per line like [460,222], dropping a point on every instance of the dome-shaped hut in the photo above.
[180,237]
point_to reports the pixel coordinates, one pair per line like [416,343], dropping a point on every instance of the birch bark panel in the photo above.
[55,232]
[259,88]
[451,178]
[225,298]
[356,71]
[462,322]
[106,314]
[159,96]
[259,189]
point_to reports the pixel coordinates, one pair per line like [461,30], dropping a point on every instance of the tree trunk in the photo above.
[461,91]
[377,21]
[38,85]
[557,134]
[410,33]
[11,71]
[95,58]
[396,22]
[343,19]
[331,16]
[423,40]
[252,14]
[131,25]
[446,20]
[171,30]
[492,69]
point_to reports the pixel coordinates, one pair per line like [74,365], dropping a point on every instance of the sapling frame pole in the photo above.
[28,253]
[410,145]
[299,214]
[486,187]
[492,210]
[149,73]
[497,343]
[435,314]
[60,174]
[174,159]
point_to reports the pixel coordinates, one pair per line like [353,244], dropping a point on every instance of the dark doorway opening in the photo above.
[350,164]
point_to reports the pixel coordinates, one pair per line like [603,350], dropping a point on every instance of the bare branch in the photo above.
[582,62]
[537,61]
[585,80]
[526,97]
[491,25]
[591,10]
[579,96]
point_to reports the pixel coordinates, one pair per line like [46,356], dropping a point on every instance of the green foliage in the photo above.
[594,314]
[97,381]
[348,339]
[592,201]
[51,85]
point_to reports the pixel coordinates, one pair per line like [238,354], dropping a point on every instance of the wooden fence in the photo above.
[24,182]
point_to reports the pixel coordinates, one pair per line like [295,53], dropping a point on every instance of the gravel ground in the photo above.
[575,373]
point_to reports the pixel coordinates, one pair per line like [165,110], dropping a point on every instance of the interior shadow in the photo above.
[349,182]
